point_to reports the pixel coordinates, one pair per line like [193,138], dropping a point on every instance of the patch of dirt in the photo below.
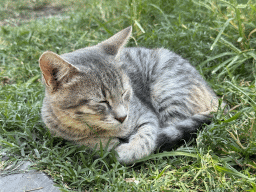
[28,14]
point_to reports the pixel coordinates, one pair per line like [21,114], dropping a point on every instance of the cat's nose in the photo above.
[121,119]
[120,113]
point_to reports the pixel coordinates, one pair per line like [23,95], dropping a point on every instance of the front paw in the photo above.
[128,154]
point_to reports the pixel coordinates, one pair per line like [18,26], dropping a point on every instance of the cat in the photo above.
[134,100]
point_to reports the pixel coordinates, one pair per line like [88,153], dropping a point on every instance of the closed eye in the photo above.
[83,102]
[80,103]
[105,101]
[79,113]
[126,95]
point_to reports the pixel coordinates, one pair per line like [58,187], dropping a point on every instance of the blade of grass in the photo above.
[216,57]
[139,25]
[220,33]
[8,143]
[233,118]
[102,25]
[222,65]
[162,172]
[168,154]
[231,171]
[161,11]
[254,104]
[230,45]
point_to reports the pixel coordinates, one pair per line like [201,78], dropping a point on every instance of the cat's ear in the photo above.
[113,45]
[55,69]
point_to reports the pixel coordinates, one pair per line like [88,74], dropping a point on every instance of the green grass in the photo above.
[216,36]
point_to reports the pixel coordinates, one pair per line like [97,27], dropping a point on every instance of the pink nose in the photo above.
[121,119]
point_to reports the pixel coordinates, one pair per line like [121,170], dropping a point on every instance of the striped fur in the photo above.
[138,99]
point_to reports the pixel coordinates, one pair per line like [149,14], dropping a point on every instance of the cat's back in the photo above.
[152,64]
[163,79]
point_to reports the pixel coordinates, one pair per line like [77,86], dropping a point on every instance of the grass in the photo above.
[216,36]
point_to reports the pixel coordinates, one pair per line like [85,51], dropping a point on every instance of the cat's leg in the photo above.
[182,130]
[143,140]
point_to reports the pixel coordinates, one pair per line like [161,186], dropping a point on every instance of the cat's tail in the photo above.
[170,136]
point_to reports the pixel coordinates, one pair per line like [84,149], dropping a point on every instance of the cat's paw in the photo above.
[128,154]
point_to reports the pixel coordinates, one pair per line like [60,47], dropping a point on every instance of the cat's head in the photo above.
[88,85]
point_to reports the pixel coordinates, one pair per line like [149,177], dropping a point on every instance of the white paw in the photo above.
[127,153]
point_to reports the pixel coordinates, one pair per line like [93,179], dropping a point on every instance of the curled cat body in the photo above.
[133,99]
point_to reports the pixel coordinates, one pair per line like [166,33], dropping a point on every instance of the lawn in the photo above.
[218,37]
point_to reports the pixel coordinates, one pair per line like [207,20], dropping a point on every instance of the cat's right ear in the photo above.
[55,70]
[114,44]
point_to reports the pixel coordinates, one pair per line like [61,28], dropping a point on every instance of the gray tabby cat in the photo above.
[139,98]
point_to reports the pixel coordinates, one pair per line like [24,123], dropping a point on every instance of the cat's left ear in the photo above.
[56,71]
[114,44]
